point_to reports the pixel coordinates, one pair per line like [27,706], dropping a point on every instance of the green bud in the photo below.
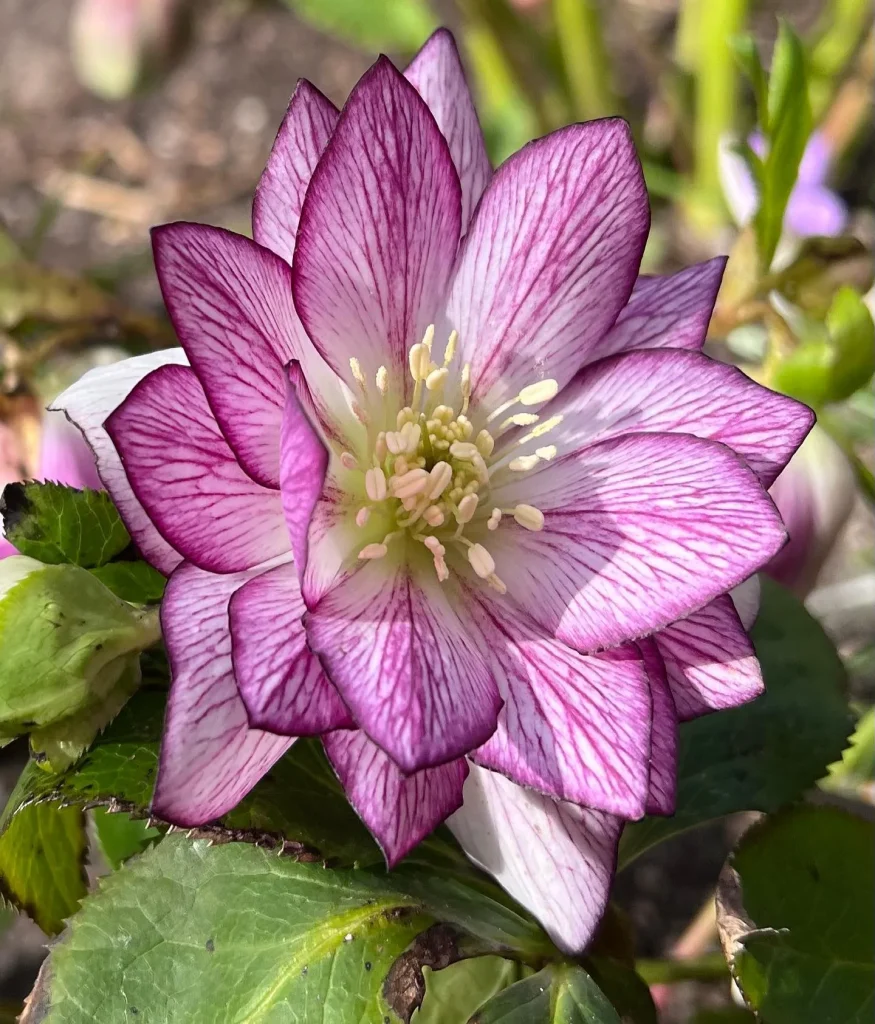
[69,655]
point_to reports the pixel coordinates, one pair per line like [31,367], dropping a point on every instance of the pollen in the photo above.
[430,467]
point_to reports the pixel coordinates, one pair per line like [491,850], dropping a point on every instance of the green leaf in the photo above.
[120,836]
[42,864]
[58,524]
[796,912]
[745,49]
[787,129]
[763,755]
[190,932]
[377,25]
[559,994]
[68,651]
[455,994]
[136,582]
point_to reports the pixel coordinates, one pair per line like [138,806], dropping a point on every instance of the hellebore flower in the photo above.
[813,208]
[445,483]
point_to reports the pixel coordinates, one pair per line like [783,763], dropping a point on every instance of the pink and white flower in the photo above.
[439,478]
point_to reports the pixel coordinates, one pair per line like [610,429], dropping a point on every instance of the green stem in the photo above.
[716,98]
[587,66]
[842,27]
[707,967]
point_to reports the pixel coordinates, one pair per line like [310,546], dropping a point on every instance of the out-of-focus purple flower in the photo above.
[64,458]
[815,496]
[446,483]
[813,209]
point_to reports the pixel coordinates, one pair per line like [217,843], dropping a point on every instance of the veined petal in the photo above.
[746,598]
[379,229]
[279,679]
[186,477]
[438,76]
[574,726]
[411,672]
[672,391]
[303,463]
[639,531]
[555,858]
[551,258]
[230,301]
[303,135]
[662,788]
[210,758]
[667,312]
[88,403]
[709,660]
[400,810]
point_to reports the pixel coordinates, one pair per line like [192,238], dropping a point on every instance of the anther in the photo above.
[362,516]
[485,443]
[396,442]
[436,378]
[450,350]
[438,479]
[357,372]
[494,519]
[545,427]
[464,450]
[547,452]
[542,391]
[466,387]
[383,381]
[520,419]
[530,517]
[433,516]
[410,484]
[497,583]
[419,362]
[348,460]
[467,508]
[360,414]
[375,484]
[373,551]
[481,561]
[523,463]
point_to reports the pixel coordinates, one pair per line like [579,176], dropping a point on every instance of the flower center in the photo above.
[433,475]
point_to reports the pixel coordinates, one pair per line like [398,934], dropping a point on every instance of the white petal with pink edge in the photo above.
[555,858]
[400,810]
[672,391]
[280,680]
[410,669]
[187,478]
[638,532]
[88,403]
[303,135]
[437,73]
[574,726]
[709,660]
[667,312]
[210,757]
[379,229]
[550,259]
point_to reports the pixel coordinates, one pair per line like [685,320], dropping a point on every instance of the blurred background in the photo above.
[116,115]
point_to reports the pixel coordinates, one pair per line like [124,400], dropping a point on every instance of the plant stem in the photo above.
[586,61]
[707,967]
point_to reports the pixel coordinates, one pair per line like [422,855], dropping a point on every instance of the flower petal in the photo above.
[64,456]
[210,758]
[709,660]
[639,531]
[550,259]
[87,403]
[668,312]
[574,726]
[672,391]
[555,858]
[746,598]
[662,788]
[186,477]
[379,229]
[303,463]
[303,135]
[400,810]
[437,74]
[815,210]
[739,187]
[280,681]
[409,669]
[230,301]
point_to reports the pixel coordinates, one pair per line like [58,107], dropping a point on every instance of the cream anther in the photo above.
[520,419]
[358,373]
[373,551]
[434,545]
[523,463]
[413,482]
[433,516]
[545,427]
[485,443]
[534,394]
[362,516]
[494,519]
[438,479]
[395,442]
[481,561]
[428,337]
[436,378]
[348,460]
[450,350]
[547,452]
[530,517]
[383,381]
[419,359]
[375,484]
[497,584]
[464,450]
[467,508]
